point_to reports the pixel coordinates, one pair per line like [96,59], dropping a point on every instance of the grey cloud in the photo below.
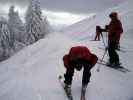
[77,6]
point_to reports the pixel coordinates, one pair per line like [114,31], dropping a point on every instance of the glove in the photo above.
[106,48]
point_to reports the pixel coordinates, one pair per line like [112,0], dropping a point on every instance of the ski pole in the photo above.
[103,40]
[98,68]
[107,42]
[106,37]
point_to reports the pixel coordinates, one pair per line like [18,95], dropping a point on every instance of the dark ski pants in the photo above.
[85,78]
[97,37]
[113,56]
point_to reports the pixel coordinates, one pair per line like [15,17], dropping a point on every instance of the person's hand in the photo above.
[106,27]
[106,48]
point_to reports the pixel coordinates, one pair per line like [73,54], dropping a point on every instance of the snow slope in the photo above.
[87,27]
[32,73]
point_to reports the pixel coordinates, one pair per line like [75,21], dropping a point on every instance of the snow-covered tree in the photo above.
[46,26]
[5,39]
[34,22]
[16,25]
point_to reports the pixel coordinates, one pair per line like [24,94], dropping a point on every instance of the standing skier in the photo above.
[115,27]
[98,32]
[78,57]
[114,30]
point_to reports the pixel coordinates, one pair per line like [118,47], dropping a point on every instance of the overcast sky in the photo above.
[60,9]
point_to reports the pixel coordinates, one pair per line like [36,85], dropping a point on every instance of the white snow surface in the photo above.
[32,73]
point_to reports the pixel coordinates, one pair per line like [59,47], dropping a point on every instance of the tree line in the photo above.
[15,34]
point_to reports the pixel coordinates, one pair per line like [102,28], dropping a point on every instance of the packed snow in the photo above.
[32,73]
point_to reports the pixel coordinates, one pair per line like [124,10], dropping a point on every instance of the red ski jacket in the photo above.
[81,52]
[115,30]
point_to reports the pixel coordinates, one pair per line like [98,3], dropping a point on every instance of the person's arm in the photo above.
[105,29]
[66,61]
[120,28]
[93,60]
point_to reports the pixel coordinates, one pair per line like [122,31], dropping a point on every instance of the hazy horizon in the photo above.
[61,13]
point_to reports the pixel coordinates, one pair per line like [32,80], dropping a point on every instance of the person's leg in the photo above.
[110,51]
[68,76]
[114,57]
[117,47]
[86,76]
[98,36]
[68,81]
[95,37]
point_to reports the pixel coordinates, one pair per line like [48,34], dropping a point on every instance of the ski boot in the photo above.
[83,91]
[116,65]
[117,47]
[84,88]
[109,64]
[67,89]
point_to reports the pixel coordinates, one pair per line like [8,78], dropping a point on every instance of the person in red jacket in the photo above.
[78,57]
[114,31]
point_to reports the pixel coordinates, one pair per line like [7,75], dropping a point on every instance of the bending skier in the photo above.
[78,57]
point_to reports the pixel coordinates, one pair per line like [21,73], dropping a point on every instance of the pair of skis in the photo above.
[69,95]
[119,68]
[121,50]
